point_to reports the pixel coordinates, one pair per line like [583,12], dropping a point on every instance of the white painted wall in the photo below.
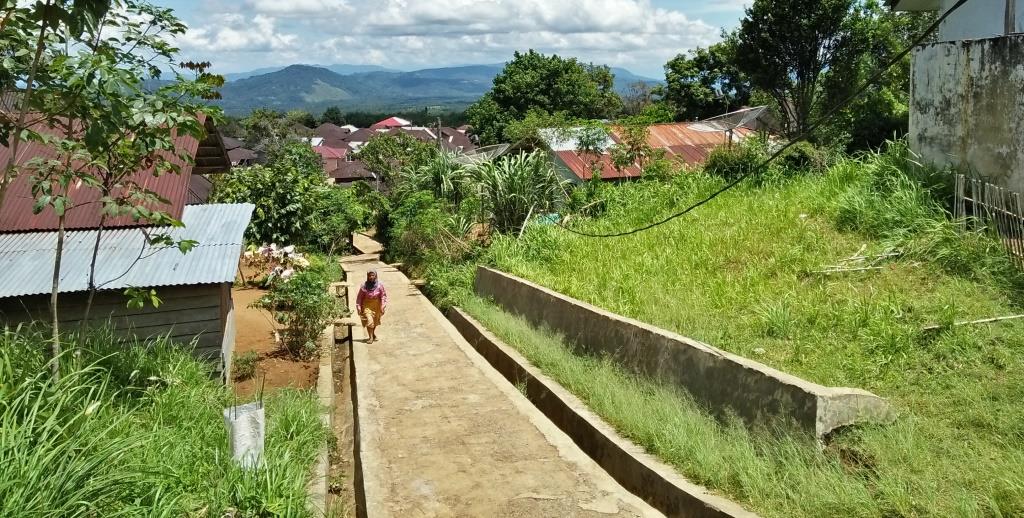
[967,107]
[977,19]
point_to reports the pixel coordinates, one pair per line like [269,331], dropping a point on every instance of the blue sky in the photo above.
[641,35]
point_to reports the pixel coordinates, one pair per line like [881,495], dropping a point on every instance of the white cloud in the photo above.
[236,33]
[417,33]
[299,8]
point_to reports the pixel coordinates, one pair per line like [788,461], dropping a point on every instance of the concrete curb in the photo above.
[318,486]
[368,495]
[720,380]
[643,475]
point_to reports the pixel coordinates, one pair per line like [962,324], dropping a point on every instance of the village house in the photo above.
[686,143]
[966,104]
[195,287]
[338,145]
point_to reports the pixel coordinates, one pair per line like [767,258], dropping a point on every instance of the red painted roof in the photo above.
[328,153]
[391,122]
[580,165]
[16,212]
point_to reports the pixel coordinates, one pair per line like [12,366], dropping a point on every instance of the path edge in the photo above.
[318,484]
[638,472]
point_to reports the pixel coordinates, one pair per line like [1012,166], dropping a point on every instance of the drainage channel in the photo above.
[643,475]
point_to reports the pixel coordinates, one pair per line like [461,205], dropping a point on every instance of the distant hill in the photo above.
[340,69]
[315,88]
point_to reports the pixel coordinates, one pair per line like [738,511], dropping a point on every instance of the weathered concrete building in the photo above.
[967,90]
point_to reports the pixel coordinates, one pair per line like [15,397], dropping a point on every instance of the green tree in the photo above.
[89,86]
[302,117]
[706,81]
[881,112]
[264,129]
[533,81]
[333,115]
[786,47]
[387,155]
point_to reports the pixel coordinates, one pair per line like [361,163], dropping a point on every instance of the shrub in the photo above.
[303,307]
[244,365]
[732,162]
[513,186]
[804,157]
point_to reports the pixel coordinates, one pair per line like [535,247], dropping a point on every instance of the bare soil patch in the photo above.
[255,332]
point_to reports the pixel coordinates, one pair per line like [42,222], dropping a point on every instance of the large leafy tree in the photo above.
[533,81]
[786,47]
[83,72]
[882,112]
[706,81]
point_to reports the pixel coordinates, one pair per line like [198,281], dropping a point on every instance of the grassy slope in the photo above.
[738,275]
[141,434]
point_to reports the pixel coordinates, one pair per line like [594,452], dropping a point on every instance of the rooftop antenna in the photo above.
[481,155]
[728,122]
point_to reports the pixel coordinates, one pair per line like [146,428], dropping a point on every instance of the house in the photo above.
[195,288]
[239,155]
[686,143]
[966,103]
[391,123]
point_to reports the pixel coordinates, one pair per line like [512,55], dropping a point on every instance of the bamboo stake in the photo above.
[973,322]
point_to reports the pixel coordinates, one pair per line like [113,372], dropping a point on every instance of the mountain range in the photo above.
[368,88]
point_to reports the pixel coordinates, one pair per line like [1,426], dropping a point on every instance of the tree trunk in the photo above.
[92,279]
[55,345]
[15,139]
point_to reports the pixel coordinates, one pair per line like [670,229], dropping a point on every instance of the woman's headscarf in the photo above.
[371,285]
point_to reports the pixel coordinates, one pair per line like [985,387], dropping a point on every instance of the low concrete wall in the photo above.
[641,474]
[723,382]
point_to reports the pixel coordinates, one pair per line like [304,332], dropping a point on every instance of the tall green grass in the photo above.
[136,430]
[743,274]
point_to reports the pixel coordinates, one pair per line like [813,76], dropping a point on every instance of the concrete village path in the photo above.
[443,434]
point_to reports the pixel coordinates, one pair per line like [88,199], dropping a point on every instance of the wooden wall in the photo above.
[199,314]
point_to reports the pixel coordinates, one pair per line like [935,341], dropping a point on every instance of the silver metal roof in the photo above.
[125,259]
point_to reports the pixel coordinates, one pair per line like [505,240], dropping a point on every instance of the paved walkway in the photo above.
[443,434]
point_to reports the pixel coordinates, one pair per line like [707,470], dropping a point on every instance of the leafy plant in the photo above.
[514,186]
[303,307]
[732,162]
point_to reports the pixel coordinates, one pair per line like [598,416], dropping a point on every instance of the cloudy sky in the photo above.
[240,35]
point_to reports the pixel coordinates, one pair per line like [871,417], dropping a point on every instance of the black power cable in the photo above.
[810,129]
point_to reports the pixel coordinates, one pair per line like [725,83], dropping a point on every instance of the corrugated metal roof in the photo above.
[580,165]
[16,212]
[125,259]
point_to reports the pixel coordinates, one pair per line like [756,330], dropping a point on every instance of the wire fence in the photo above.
[980,204]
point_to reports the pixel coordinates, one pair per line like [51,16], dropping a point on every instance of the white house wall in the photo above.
[968,106]
[977,19]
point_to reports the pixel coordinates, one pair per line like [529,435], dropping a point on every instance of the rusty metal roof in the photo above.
[125,258]
[580,165]
[16,212]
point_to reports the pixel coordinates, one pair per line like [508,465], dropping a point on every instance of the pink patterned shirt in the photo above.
[377,293]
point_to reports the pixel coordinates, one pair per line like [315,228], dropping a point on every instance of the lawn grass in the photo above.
[740,275]
[138,432]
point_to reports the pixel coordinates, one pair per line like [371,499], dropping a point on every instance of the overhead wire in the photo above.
[805,133]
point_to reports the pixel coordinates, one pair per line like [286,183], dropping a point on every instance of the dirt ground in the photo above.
[255,332]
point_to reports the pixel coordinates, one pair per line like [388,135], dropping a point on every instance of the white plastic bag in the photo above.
[246,426]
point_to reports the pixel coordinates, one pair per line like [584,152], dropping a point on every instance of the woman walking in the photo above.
[371,303]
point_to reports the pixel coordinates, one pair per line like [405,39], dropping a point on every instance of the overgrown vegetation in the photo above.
[302,305]
[753,273]
[294,203]
[136,429]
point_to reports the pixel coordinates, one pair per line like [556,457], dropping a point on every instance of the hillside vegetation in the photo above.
[744,274]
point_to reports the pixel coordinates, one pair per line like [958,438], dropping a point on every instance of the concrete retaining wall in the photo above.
[641,474]
[723,382]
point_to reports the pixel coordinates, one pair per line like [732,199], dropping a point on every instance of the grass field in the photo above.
[743,274]
[139,432]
